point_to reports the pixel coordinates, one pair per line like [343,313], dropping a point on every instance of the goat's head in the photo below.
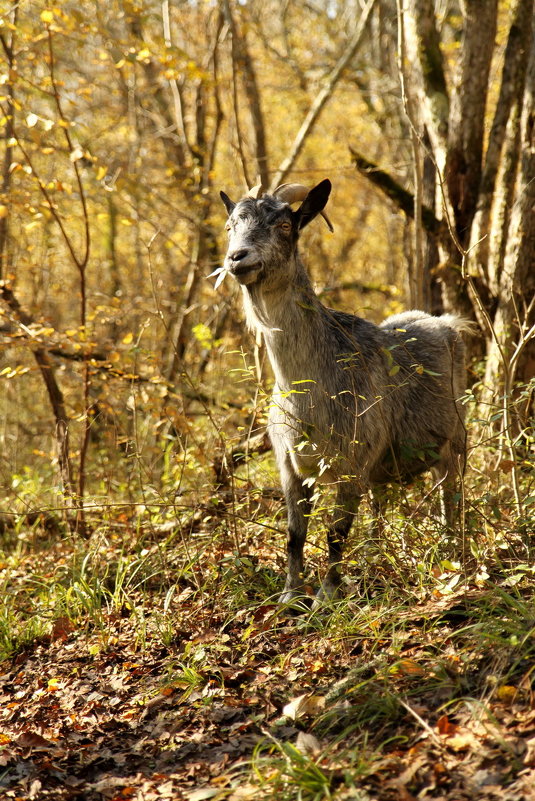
[263,231]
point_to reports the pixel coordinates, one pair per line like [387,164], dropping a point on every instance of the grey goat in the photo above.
[355,404]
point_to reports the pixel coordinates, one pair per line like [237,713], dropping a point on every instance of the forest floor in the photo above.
[115,686]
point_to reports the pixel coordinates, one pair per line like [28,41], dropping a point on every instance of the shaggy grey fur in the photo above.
[355,404]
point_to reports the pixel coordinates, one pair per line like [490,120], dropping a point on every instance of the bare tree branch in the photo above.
[242,63]
[54,392]
[173,83]
[323,96]
[400,197]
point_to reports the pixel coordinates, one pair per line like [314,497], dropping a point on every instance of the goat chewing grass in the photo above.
[355,404]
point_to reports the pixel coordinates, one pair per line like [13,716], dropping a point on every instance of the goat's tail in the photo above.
[460,324]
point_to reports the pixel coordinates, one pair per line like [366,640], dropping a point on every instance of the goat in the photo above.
[354,403]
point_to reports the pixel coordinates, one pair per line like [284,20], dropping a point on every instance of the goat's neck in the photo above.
[289,319]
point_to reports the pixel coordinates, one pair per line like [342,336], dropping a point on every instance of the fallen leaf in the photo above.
[35,786]
[30,739]
[408,667]
[506,465]
[462,741]
[308,744]
[304,705]
[61,628]
[445,726]
[202,793]
[507,693]
[529,757]
[108,783]
[247,792]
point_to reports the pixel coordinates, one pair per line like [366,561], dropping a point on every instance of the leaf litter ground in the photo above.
[428,700]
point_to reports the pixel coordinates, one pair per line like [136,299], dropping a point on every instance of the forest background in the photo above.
[135,473]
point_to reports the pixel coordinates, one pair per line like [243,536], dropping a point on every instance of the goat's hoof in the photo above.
[290,595]
[295,599]
[327,592]
[318,605]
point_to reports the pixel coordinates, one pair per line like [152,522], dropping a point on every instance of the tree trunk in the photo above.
[9,52]
[242,63]
[515,314]
[55,397]
[511,89]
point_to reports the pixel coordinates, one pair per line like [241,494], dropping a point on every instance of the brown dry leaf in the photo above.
[406,776]
[248,792]
[61,628]
[306,704]
[126,792]
[7,755]
[527,722]
[507,693]
[409,667]
[506,465]
[462,741]
[446,727]
[166,790]
[202,794]
[35,787]
[308,744]
[31,739]
[529,757]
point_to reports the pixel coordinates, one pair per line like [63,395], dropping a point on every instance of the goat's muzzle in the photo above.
[243,265]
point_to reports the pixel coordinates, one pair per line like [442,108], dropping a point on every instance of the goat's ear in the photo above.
[229,205]
[314,203]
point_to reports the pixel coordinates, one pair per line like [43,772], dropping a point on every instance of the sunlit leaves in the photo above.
[47,16]
[31,120]
[13,372]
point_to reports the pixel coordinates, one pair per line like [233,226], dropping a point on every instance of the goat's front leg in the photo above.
[299,506]
[348,500]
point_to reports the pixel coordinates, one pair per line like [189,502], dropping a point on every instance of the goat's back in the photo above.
[384,400]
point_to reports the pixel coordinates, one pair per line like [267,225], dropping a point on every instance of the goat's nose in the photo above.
[238,255]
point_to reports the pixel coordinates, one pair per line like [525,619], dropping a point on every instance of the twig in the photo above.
[400,196]
[324,95]
[422,722]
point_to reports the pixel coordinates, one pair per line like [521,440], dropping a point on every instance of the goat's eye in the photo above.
[285,226]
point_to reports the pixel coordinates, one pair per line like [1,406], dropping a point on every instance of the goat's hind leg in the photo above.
[448,473]
[348,500]
[299,506]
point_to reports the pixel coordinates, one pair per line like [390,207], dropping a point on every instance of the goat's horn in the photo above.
[256,191]
[291,193]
